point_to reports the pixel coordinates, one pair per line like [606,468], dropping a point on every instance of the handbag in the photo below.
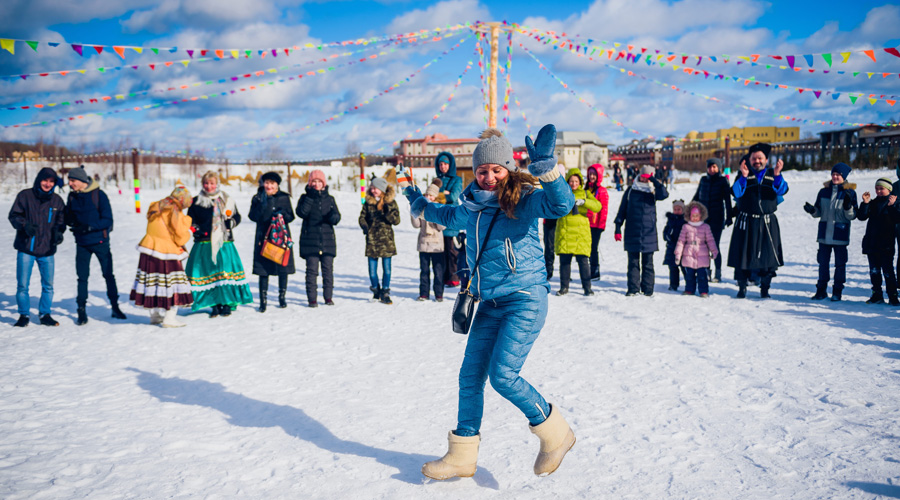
[464,307]
[277,245]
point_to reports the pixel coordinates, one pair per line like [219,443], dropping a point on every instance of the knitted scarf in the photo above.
[221,204]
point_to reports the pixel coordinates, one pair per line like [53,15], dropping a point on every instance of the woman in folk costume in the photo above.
[511,282]
[214,267]
[161,284]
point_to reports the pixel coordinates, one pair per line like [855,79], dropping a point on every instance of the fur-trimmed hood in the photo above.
[388,197]
[704,213]
[845,185]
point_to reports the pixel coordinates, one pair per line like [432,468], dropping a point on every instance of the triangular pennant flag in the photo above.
[800,90]
[152,66]
[173,50]
[8,45]
[818,93]
[754,57]
[853,98]
[855,73]
[77,48]
[248,53]
[809,59]
[827,58]
[33,45]
[185,62]
[120,51]
[155,51]
[870,74]
[190,53]
[234,54]
[892,51]
[98,48]
[873,101]
[885,75]
[220,53]
[53,44]
[139,50]
[790,61]
[845,56]
[890,101]
[835,95]
[871,54]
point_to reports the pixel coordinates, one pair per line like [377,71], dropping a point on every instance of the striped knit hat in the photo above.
[885,183]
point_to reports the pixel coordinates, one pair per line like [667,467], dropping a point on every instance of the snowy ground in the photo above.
[669,396]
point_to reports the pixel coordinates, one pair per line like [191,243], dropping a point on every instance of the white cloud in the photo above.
[439,14]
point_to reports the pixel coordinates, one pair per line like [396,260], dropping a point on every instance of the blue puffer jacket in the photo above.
[513,257]
[450,182]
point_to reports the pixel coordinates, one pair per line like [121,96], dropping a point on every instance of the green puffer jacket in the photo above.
[573,232]
[376,219]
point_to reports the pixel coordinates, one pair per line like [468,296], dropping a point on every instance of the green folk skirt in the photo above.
[222,283]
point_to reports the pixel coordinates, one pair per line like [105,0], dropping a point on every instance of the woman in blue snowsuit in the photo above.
[511,283]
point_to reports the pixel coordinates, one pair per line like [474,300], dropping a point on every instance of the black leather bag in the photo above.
[464,307]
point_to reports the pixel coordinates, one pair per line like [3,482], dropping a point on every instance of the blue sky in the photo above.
[222,125]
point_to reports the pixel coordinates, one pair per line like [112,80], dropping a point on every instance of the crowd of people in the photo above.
[503,263]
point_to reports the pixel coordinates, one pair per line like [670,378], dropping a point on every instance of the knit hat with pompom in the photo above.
[494,149]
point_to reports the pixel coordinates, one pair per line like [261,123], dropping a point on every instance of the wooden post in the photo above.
[25,167]
[727,168]
[290,181]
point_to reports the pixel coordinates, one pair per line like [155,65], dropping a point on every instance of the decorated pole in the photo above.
[135,159]
[495,48]
[362,177]
[290,181]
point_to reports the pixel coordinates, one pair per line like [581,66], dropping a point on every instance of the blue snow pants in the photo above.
[501,336]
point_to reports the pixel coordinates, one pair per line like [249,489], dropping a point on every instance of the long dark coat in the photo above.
[881,219]
[261,210]
[756,238]
[715,194]
[671,232]
[638,213]
[376,219]
[320,214]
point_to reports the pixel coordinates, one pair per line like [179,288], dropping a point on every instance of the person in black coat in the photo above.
[715,194]
[318,246]
[269,202]
[90,218]
[895,192]
[882,215]
[674,222]
[638,213]
[37,215]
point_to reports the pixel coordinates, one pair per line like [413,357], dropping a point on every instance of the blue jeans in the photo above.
[24,266]
[500,339]
[385,271]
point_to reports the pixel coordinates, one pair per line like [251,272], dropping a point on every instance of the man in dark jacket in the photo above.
[37,216]
[715,195]
[451,188]
[90,218]
[756,240]
[638,213]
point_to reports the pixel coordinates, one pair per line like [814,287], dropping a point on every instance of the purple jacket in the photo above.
[695,246]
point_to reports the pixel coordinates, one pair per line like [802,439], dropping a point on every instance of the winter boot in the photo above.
[836,293]
[892,300]
[764,283]
[22,321]
[742,290]
[116,312]
[48,320]
[460,460]
[156,316]
[262,300]
[562,290]
[820,294]
[224,310]
[215,311]
[82,317]
[595,273]
[556,438]
[170,320]
[586,285]
[386,296]
[376,292]
[313,303]
[282,299]
[764,293]
[876,298]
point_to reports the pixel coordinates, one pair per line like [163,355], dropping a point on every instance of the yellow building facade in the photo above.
[701,146]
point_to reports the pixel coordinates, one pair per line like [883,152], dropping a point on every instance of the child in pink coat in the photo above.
[695,249]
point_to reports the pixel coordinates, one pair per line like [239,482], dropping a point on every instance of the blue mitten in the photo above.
[541,151]
[417,207]
[412,193]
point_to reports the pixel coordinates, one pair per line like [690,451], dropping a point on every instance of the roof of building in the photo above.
[567,138]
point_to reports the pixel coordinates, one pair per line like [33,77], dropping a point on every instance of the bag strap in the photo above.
[484,244]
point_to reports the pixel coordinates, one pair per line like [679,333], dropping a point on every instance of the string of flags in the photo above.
[583,44]
[436,115]
[817,93]
[508,89]
[349,109]
[175,63]
[482,66]
[254,74]
[9,44]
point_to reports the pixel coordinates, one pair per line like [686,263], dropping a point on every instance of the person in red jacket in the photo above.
[597,219]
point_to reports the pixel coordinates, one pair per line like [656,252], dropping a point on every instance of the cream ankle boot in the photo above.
[556,440]
[460,460]
[171,319]
[155,316]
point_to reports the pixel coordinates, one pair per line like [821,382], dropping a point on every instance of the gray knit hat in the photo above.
[647,170]
[79,174]
[496,149]
[380,183]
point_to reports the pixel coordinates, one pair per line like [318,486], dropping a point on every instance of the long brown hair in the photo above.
[509,190]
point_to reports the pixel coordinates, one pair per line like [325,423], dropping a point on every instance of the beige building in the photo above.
[701,146]
[418,153]
[581,149]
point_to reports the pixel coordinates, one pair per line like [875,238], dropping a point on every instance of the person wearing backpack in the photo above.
[89,216]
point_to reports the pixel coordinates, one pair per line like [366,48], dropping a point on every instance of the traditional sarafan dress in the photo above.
[214,267]
[161,282]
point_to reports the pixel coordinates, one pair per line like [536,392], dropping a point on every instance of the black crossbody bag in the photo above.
[464,307]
